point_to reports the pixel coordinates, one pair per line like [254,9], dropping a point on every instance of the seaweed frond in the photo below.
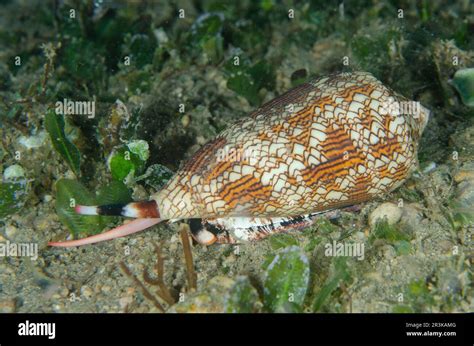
[188,256]
[164,292]
[145,291]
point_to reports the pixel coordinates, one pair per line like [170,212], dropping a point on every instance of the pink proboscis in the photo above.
[120,231]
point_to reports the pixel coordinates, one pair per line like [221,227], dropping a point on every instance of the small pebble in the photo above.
[42,223]
[7,306]
[86,291]
[446,245]
[209,299]
[411,217]
[125,301]
[389,252]
[139,193]
[448,281]
[58,307]
[10,231]
[13,172]
[465,194]
[229,260]
[386,210]
[463,175]
[33,141]
[360,236]
[200,140]
[185,120]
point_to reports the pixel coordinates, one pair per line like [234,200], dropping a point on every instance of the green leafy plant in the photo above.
[313,242]
[325,226]
[129,160]
[246,79]
[392,235]
[417,296]
[403,247]
[242,297]
[54,124]
[140,48]
[463,81]
[282,240]
[206,36]
[114,192]
[460,216]
[340,274]
[375,47]
[383,230]
[286,281]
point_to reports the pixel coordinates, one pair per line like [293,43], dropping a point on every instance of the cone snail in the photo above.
[330,143]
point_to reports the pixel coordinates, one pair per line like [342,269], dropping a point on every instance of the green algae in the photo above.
[140,48]
[247,79]
[14,190]
[463,81]
[390,233]
[286,280]
[417,296]
[54,124]
[129,160]
[282,240]
[340,274]
[12,196]
[242,297]
[206,37]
